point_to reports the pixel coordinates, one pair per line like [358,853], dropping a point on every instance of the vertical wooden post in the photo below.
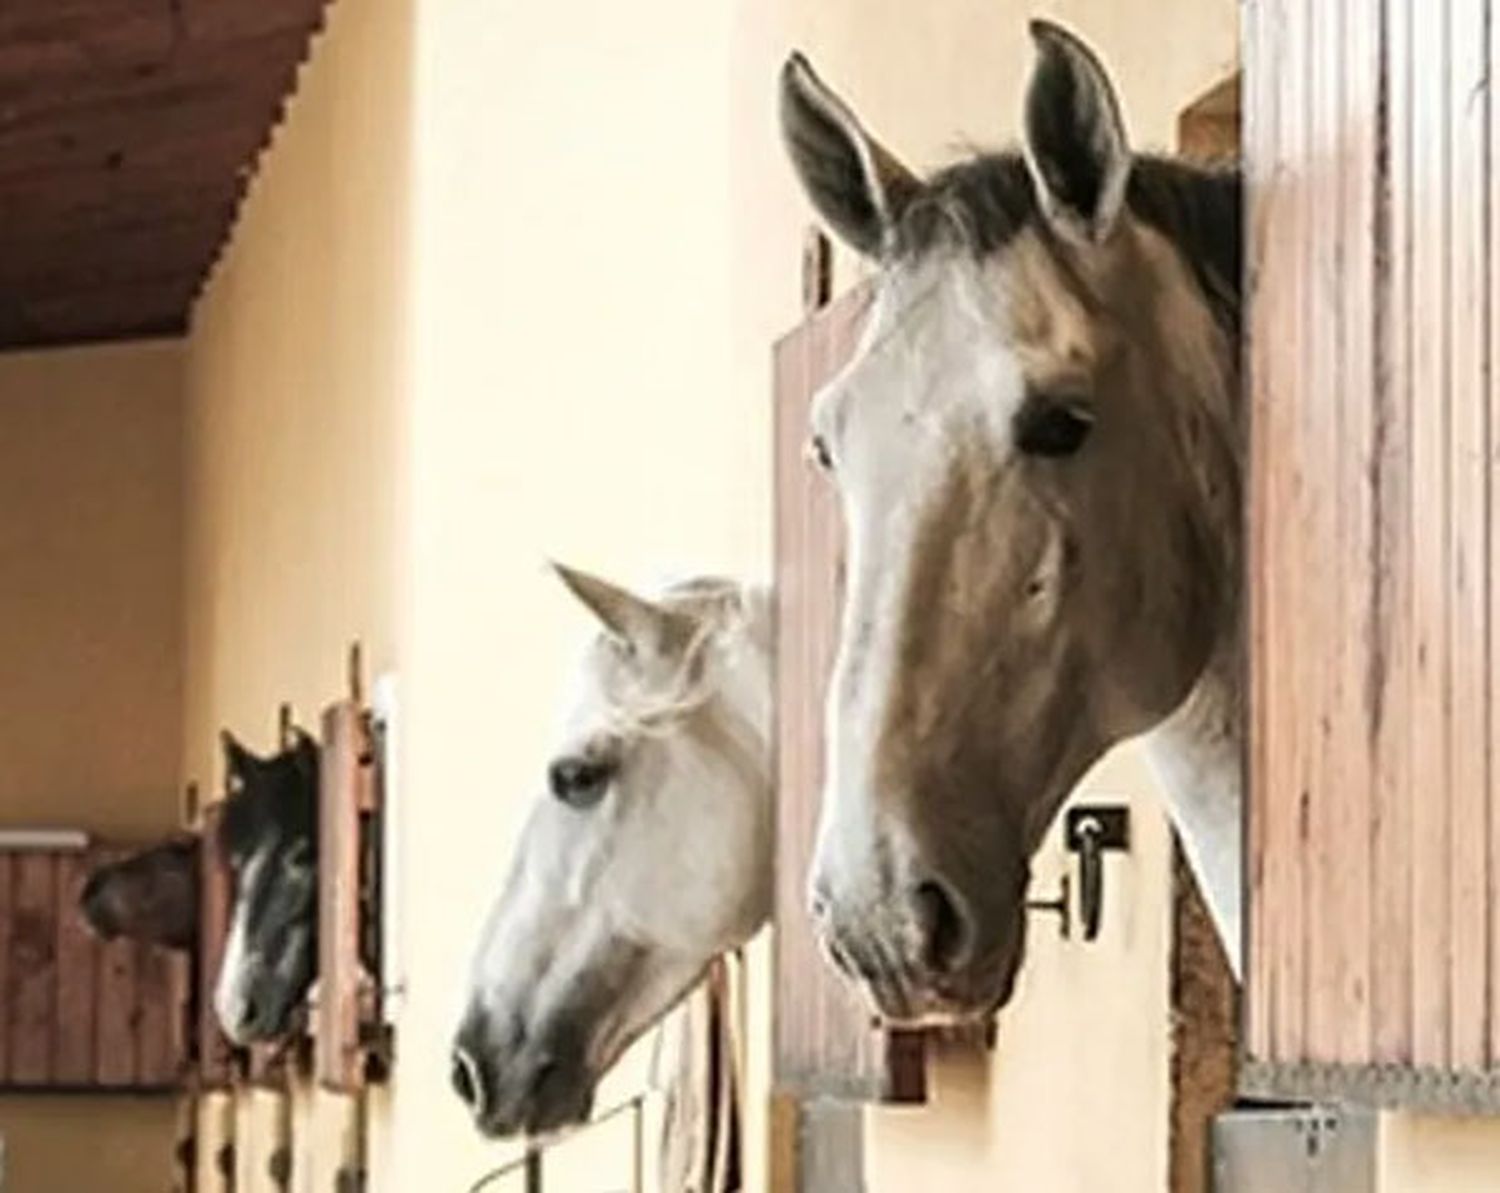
[216,1055]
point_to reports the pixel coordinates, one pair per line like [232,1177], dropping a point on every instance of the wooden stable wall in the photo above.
[77,1013]
[1374,933]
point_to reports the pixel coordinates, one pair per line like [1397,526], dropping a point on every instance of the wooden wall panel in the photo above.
[1468,464]
[73,1046]
[216,1055]
[1491,190]
[115,1010]
[346,990]
[1392,638]
[162,983]
[7,988]
[1373,571]
[33,960]
[826,1040]
[74,1012]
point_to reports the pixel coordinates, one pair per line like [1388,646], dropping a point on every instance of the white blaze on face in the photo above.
[932,380]
[231,990]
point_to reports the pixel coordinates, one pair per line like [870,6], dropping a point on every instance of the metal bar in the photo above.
[638,1145]
[1379,1086]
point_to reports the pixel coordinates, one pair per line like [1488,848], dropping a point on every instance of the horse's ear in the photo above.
[1075,139]
[633,619]
[855,183]
[237,760]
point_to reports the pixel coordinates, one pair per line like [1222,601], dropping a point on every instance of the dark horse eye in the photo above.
[818,449]
[1052,429]
[580,782]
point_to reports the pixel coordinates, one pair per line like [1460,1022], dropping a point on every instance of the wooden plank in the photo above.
[1467,467]
[1356,118]
[1392,614]
[34,969]
[1320,650]
[1492,255]
[73,1043]
[7,990]
[339,1059]
[1431,824]
[216,1059]
[160,1017]
[116,1012]
[1262,130]
[1288,364]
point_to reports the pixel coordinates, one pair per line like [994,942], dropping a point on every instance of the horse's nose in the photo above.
[469,1082]
[945,927]
[923,930]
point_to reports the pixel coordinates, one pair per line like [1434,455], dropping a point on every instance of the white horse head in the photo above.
[647,854]
[1037,451]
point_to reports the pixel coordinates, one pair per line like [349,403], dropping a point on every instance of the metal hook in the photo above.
[1090,830]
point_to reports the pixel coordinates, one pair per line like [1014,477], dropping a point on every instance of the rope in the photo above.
[533,1151]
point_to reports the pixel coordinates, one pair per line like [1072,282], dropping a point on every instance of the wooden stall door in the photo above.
[1374,855]
[348,1035]
[826,1041]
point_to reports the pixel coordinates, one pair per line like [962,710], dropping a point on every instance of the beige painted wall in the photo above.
[296,370]
[1421,1154]
[90,606]
[90,651]
[296,378]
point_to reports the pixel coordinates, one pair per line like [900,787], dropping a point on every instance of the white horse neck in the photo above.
[1197,754]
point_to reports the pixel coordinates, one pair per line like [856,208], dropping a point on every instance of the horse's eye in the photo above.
[580,782]
[818,449]
[1052,429]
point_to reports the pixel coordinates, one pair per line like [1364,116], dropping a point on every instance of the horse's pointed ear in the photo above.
[631,618]
[237,759]
[303,742]
[855,183]
[1075,140]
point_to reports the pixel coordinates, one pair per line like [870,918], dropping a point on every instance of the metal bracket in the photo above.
[1061,906]
[1090,831]
[1107,824]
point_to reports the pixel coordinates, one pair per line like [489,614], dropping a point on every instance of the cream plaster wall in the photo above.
[296,385]
[90,674]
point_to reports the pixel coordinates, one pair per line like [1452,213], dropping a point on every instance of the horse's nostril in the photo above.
[467,1082]
[944,929]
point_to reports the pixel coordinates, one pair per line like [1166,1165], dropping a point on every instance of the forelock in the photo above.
[982,204]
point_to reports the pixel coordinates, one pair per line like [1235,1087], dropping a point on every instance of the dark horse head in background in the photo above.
[270,832]
[150,896]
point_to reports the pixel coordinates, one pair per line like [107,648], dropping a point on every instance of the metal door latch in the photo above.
[1089,830]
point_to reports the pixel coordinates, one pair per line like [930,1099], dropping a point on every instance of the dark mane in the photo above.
[988,200]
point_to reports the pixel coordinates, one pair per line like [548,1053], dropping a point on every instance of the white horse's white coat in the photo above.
[616,904]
